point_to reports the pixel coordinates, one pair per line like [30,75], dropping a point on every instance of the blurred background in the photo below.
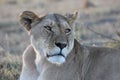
[98,24]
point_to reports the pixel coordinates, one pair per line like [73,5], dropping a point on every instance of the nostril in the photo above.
[61,45]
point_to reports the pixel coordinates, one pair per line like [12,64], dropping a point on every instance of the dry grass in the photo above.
[10,68]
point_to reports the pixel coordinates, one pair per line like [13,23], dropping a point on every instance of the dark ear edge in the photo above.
[28,19]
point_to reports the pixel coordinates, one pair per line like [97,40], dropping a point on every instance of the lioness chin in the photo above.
[54,53]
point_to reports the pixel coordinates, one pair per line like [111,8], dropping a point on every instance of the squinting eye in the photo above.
[48,28]
[67,31]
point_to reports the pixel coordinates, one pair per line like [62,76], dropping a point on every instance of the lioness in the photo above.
[54,53]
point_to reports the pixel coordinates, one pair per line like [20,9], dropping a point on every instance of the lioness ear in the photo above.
[72,17]
[28,19]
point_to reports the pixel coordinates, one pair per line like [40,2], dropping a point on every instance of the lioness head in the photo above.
[52,35]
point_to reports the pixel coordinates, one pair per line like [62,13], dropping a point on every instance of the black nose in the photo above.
[61,45]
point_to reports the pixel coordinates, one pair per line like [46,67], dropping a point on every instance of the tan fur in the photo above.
[29,71]
[78,63]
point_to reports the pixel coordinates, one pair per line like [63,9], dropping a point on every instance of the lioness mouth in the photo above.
[60,54]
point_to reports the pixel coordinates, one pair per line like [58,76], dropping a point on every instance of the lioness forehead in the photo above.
[55,19]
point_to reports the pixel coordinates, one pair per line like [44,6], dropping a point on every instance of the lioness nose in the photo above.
[61,45]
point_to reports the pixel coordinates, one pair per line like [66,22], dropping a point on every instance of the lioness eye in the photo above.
[48,28]
[67,31]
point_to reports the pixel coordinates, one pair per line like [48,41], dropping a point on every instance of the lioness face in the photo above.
[52,37]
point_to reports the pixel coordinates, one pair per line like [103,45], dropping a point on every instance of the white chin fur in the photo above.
[56,59]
